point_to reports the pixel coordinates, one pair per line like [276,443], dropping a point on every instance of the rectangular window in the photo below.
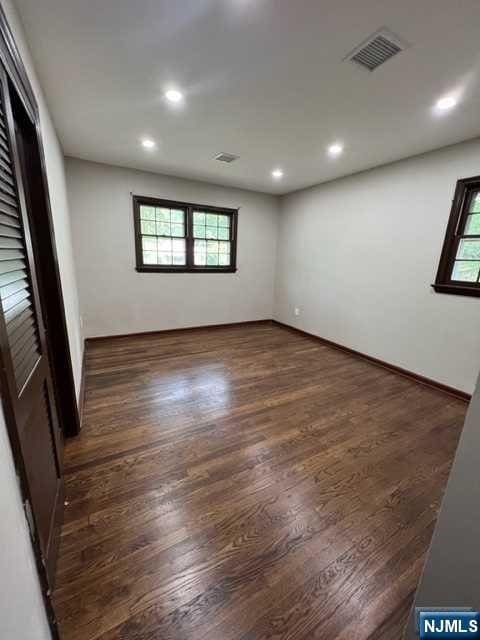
[184,237]
[459,269]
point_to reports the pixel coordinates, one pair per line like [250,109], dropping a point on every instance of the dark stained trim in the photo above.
[457,393]
[204,327]
[457,290]
[188,208]
[152,269]
[65,379]
[48,273]
[454,234]
[81,395]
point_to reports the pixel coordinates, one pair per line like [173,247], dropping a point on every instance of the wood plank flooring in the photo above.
[246,483]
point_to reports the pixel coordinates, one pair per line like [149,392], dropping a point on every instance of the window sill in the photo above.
[457,289]
[146,269]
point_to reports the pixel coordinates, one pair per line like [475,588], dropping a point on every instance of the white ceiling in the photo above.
[263,79]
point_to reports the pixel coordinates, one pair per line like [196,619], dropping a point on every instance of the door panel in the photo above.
[41,473]
[23,346]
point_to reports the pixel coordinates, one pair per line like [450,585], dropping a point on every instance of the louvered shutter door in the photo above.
[23,343]
[15,282]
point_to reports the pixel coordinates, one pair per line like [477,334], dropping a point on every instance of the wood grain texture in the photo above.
[247,483]
[457,393]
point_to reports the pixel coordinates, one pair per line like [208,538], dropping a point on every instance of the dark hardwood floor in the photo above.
[247,483]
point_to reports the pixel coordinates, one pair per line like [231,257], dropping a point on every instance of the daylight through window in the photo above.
[175,236]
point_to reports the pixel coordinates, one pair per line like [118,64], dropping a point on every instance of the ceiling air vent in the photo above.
[377,49]
[226,157]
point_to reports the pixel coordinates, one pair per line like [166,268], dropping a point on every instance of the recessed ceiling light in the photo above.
[335,149]
[446,103]
[148,143]
[174,96]
[277,174]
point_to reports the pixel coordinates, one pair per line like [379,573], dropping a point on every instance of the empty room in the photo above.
[239,319]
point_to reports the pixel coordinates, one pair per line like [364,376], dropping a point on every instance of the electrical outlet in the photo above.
[296,311]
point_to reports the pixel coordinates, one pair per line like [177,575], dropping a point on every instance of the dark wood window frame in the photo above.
[465,190]
[188,208]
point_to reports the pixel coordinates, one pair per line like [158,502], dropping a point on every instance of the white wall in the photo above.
[22,614]
[54,160]
[358,255]
[115,299]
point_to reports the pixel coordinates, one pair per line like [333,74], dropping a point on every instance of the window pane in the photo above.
[200,253]
[170,251]
[148,227]
[147,213]
[224,221]
[212,233]
[177,215]
[178,246]
[199,231]
[179,252]
[162,215]
[212,226]
[149,244]
[175,252]
[149,257]
[472,227]
[469,250]
[224,247]
[178,230]
[212,259]
[466,271]
[164,244]
[163,228]
[224,259]
[475,204]
[164,258]
[198,217]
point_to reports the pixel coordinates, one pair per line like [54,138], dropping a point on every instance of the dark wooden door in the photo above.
[23,347]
